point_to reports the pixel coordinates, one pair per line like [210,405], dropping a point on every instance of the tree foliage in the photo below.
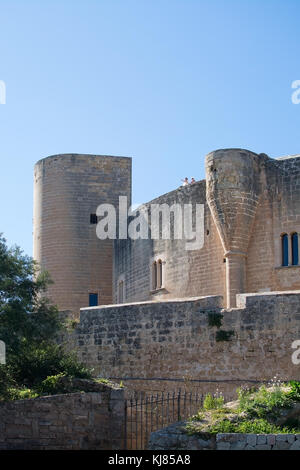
[29,325]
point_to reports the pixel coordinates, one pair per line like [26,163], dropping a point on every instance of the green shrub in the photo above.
[20,394]
[256,412]
[265,402]
[30,327]
[53,385]
[37,362]
[294,393]
[212,403]
[256,426]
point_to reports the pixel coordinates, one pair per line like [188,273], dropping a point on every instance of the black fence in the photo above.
[153,412]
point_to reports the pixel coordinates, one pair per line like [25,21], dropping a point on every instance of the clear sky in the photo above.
[163,81]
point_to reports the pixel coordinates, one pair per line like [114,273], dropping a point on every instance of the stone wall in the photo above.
[258,441]
[278,212]
[93,420]
[175,438]
[165,345]
[249,201]
[186,273]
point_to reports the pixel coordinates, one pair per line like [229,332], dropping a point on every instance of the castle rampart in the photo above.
[157,345]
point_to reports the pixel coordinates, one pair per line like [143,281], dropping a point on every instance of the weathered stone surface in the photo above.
[68,188]
[295,445]
[256,349]
[174,437]
[67,421]
[261,439]
[251,439]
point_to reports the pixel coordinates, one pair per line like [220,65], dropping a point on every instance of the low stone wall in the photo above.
[258,441]
[174,437]
[93,420]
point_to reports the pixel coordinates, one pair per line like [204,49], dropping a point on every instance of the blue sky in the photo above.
[163,81]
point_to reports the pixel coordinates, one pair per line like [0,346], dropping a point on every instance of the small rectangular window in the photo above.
[93,219]
[121,292]
[93,300]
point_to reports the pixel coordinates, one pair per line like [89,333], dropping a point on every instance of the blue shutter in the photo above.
[285,250]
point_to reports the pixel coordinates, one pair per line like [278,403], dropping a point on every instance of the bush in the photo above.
[256,411]
[264,402]
[53,385]
[212,403]
[257,426]
[20,394]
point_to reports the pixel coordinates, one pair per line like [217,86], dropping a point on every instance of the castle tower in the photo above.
[68,189]
[232,191]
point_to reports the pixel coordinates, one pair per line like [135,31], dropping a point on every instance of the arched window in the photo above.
[157,274]
[285,249]
[295,257]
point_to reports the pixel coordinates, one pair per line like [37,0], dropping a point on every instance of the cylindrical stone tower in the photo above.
[232,191]
[67,191]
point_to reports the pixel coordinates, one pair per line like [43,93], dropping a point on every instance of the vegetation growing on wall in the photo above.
[223,335]
[215,320]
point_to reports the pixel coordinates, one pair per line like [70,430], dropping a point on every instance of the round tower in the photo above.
[68,189]
[232,191]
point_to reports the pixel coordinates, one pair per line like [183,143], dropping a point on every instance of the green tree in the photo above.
[29,325]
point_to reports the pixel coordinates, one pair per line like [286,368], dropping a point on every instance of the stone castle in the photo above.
[252,219]
[229,310]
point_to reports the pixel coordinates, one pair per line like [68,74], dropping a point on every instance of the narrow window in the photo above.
[93,219]
[295,256]
[285,249]
[159,274]
[93,300]
[121,290]
[154,275]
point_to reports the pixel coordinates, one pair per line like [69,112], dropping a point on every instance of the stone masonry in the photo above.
[67,191]
[92,420]
[174,437]
[162,345]
[249,200]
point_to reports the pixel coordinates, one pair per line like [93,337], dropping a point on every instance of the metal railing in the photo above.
[149,413]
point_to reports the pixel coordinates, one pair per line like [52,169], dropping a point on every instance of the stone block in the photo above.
[295,445]
[282,445]
[251,439]
[223,445]
[261,439]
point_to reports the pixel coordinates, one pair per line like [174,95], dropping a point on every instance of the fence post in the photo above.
[178,406]
[125,425]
